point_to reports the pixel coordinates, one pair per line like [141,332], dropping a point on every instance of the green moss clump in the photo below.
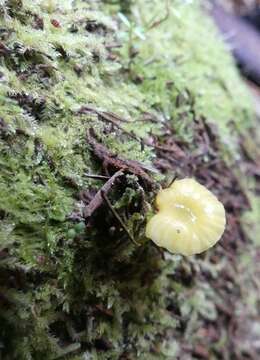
[86,292]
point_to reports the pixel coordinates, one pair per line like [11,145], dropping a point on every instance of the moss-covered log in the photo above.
[88,89]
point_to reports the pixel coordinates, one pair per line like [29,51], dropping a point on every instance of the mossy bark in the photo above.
[78,288]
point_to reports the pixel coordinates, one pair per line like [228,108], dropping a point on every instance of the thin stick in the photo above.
[97,201]
[114,212]
[113,118]
[140,140]
[98,177]
[106,115]
[158,22]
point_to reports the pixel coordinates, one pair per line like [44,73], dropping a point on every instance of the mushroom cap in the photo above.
[190,219]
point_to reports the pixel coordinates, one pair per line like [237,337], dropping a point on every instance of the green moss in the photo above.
[183,74]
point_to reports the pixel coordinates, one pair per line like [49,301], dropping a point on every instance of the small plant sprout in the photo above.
[190,219]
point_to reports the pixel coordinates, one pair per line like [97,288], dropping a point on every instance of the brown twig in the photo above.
[173,148]
[105,115]
[4,50]
[114,212]
[112,160]
[113,118]
[98,177]
[160,21]
[97,201]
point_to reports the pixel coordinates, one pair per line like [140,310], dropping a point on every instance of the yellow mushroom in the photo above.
[190,219]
